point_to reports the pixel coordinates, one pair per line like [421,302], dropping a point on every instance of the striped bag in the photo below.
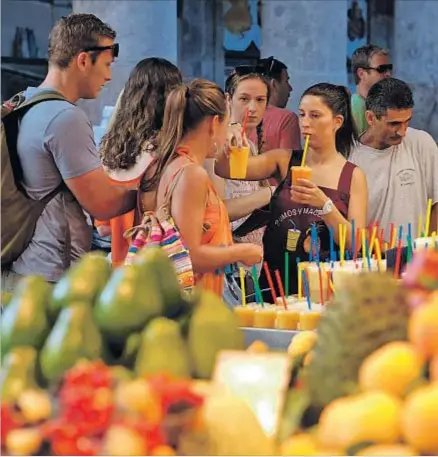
[159,229]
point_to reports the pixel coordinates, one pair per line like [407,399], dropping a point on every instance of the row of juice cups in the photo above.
[276,317]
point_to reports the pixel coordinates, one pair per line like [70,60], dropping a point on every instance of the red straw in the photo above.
[398,259]
[270,282]
[280,286]
[381,240]
[245,121]
[321,290]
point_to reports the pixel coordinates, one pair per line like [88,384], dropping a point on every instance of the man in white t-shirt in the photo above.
[400,163]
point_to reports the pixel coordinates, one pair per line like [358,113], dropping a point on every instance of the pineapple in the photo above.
[368,312]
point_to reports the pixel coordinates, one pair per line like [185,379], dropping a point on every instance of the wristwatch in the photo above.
[327,208]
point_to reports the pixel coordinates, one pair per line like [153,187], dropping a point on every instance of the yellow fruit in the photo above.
[121,440]
[371,416]
[420,419]
[24,441]
[163,450]
[302,343]
[391,368]
[301,444]
[34,405]
[388,449]
[258,347]
[433,368]
[423,329]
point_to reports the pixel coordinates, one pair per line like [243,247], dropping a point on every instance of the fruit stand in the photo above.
[123,363]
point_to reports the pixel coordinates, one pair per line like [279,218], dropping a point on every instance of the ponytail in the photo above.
[170,135]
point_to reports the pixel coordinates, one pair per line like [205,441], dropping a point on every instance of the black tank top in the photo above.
[290,225]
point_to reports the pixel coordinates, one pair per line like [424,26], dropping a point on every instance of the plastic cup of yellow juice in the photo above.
[238,162]
[287,319]
[299,172]
[265,317]
[245,315]
[309,320]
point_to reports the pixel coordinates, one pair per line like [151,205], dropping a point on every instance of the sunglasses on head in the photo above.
[114,48]
[387,67]
[264,68]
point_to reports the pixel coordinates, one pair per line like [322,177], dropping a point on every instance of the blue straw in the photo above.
[315,243]
[400,232]
[367,248]
[332,245]
[353,238]
[347,254]
[306,289]
[409,231]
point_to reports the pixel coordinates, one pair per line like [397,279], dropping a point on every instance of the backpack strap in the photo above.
[43,96]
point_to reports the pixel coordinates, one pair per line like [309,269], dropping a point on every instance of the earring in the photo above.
[215,149]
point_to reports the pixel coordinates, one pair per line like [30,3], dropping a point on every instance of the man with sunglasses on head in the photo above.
[369,65]
[280,126]
[57,152]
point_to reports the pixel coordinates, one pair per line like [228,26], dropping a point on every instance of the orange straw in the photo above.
[329,289]
[270,282]
[306,146]
[280,286]
[245,121]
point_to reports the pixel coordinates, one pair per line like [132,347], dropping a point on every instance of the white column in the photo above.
[310,37]
[145,28]
[416,58]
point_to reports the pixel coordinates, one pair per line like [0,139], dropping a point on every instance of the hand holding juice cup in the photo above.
[302,171]
[238,161]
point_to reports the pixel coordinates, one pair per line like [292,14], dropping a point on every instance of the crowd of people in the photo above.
[169,141]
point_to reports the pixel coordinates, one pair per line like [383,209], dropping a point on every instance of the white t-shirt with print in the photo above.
[400,180]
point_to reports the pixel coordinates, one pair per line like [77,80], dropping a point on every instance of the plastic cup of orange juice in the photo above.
[245,315]
[299,172]
[238,162]
[287,319]
[265,317]
[309,320]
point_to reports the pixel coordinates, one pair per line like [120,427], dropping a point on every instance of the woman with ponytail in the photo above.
[335,195]
[194,129]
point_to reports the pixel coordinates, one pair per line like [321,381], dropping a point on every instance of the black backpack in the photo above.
[19,212]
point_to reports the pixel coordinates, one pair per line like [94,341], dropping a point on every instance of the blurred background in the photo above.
[206,38]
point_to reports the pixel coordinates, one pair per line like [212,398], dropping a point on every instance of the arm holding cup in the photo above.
[307,192]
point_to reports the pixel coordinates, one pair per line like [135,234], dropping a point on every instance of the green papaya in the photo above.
[74,336]
[162,350]
[129,300]
[157,264]
[213,328]
[122,352]
[83,282]
[24,322]
[18,372]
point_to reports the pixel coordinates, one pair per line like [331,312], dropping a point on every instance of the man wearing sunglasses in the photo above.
[369,65]
[57,153]
[280,126]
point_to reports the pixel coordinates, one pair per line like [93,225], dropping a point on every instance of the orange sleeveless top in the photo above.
[217,232]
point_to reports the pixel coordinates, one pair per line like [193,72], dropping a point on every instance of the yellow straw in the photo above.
[306,146]
[332,286]
[373,237]
[393,237]
[433,244]
[428,212]
[420,225]
[378,254]
[242,285]
[300,282]
[342,241]
[364,246]
[385,246]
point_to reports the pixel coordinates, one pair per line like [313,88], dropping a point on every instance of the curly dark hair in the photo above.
[73,33]
[139,116]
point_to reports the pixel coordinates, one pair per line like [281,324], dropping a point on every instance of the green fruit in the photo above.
[162,350]
[157,264]
[83,282]
[24,321]
[213,328]
[121,374]
[369,311]
[74,336]
[6,298]
[123,353]
[128,301]
[18,372]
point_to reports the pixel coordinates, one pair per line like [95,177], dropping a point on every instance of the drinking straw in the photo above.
[409,250]
[347,255]
[332,245]
[353,237]
[428,213]
[286,273]
[357,247]
[329,289]
[242,285]
[378,254]
[321,289]
[398,259]
[270,282]
[314,236]
[367,250]
[385,246]
[332,286]
[306,147]
[306,289]
[381,236]
[420,225]
[258,294]
[393,237]
[245,121]
[373,236]
[363,243]
[280,286]
[342,241]
[300,283]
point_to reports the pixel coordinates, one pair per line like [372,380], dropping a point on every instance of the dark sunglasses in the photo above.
[114,49]
[264,68]
[381,68]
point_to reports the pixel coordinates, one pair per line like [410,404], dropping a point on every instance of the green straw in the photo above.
[286,274]
[258,293]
